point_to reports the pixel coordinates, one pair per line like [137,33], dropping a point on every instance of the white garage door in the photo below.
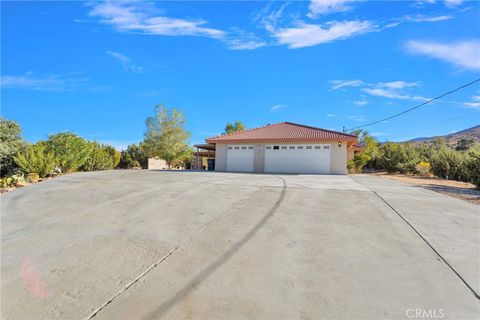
[240,158]
[302,158]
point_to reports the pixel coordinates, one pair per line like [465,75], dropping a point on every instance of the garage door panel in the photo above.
[298,158]
[240,158]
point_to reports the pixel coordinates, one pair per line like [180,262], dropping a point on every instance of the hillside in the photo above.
[471,133]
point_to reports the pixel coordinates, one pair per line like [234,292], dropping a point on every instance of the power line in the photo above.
[415,107]
[460,117]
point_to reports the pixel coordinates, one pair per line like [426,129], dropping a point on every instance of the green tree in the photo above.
[165,137]
[36,159]
[70,150]
[10,143]
[133,157]
[236,127]
[369,152]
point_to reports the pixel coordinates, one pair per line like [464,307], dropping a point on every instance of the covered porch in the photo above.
[204,157]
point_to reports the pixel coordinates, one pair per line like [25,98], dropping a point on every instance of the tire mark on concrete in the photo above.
[181,294]
[160,311]
[476,295]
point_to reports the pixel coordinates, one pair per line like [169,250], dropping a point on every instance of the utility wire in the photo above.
[416,107]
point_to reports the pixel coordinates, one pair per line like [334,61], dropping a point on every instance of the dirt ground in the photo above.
[457,189]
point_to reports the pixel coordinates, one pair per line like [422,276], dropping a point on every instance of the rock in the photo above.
[32,177]
[20,184]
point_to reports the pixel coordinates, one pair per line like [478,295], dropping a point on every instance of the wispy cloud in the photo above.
[392,94]
[338,84]
[359,118]
[306,35]
[323,7]
[52,82]
[330,115]
[453,3]
[360,102]
[425,18]
[137,17]
[146,18]
[238,39]
[397,84]
[474,103]
[465,54]
[125,62]
[393,90]
[277,107]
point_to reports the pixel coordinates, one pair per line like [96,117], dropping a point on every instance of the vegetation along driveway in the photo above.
[152,244]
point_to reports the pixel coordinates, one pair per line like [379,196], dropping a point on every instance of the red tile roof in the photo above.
[284,131]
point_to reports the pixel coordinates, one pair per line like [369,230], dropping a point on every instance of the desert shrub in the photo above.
[36,159]
[358,162]
[450,164]
[367,157]
[11,181]
[10,144]
[473,167]
[423,168]
[389,157]
[395,157]
[425,152]
[98,158]
[7,182]
[70,150]
[114,154]
[409,159]
[464,144]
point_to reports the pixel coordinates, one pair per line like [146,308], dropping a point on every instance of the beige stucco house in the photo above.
[285,148]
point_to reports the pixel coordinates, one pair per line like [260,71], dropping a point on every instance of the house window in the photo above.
[244,148]
[229,148]
[300,147]
[308,147]
[318,147]
[326,147]
[284,147]
[268,147]
[237,148]
[276,147]
[292,147]
[250,147]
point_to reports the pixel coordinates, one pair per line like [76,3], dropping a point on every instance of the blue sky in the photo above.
[99,68]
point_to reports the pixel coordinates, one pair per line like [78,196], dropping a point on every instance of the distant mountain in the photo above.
[452,138]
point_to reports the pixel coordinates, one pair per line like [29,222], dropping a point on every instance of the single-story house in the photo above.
[284,147]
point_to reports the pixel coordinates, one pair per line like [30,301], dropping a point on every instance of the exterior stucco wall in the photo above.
[338,160]
[350,154]
[338,156]
[156,164]
[259,158]
[220,157]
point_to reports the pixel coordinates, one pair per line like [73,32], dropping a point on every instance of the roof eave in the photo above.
[214,141]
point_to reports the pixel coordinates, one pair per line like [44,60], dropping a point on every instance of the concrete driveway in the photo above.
[149,245]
